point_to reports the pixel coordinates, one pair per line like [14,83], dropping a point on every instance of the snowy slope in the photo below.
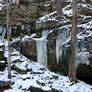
[35,75]
[39,77]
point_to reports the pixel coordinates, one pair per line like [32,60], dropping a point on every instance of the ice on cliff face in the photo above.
[41,48]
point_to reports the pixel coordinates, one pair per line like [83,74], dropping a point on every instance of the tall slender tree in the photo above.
[72,70]
[59,8]
[17,2]
[8,35]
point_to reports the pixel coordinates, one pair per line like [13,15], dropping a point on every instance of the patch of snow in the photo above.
[67,10]
[15,40]
[28,37]
[2,61]
[42,19]
[86,34]
[86,25]
[1,44]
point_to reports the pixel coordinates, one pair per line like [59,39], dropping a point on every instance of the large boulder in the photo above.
[28,48]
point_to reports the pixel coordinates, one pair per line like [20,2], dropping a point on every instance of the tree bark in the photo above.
[59,9]
[72,70]
[17,2]
[8,36]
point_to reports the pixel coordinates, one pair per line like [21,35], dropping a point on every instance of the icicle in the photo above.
[4,32]
[15,28]
[45,33]
[10,29]
[41,48]
[28,27]
[1,29]
[60,39]
[22,27]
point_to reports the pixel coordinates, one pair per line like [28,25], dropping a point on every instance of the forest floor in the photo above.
[27,75]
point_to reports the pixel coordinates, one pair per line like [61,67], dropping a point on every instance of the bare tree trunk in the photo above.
[72,70]
[8,36]
[59,8]
[17,2]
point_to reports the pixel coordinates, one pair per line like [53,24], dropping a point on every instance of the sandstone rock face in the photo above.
[24,11]
[30,9]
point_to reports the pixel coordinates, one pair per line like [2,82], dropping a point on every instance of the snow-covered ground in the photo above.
[37,76]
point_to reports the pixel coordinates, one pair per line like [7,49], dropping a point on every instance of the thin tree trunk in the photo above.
[72,70]
[8,36]
[17,2]
[59,8]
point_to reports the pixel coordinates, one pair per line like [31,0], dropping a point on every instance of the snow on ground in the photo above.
[67,10]
[39,77]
